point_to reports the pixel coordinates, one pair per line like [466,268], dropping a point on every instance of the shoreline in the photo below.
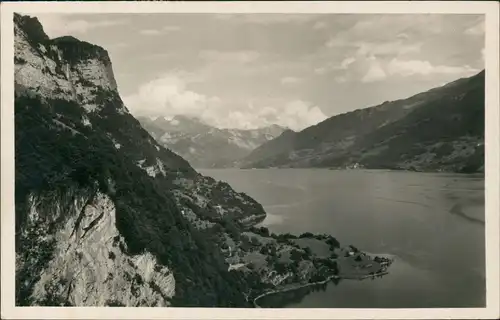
[380,273]
[472,173]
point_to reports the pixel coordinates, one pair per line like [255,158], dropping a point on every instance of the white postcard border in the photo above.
[492,164]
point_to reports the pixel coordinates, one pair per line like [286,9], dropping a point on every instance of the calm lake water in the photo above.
[432,223]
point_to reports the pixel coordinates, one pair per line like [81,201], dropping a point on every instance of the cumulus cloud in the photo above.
[149,32]
[290,80]
[374,61]
[476,30]
[375,71]
[335,66]
[346,62]
[155,32]
[390,47]
[169,95]
[377,47]
[398,46]
[56,25]
[171,28]
[267,18]
[419,67]
[341,79]
[321,70]
[365,58]
[241,56]
[299,114]
[371,25]
[320,25]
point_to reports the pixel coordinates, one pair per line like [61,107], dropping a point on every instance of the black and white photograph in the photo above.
[316,161]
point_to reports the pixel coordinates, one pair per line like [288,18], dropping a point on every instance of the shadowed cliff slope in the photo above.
[100,206]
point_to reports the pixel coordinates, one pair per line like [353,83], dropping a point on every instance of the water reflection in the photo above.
[457,209]
[283,299]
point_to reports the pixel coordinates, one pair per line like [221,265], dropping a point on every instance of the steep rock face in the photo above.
[205,146]
[438,130]
[88,264]
[99,219]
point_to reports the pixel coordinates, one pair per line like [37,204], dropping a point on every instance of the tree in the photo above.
[254,241]
[295,255]
[280,267]
[307,251]
[306,235]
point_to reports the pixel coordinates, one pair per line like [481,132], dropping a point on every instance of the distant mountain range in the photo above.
[205,146]
[438,130]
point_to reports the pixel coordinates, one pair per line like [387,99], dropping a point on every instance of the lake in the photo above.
[433,223]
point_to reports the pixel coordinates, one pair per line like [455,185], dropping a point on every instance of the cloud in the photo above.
[56,25]
[375,72]
[371,25]
[419,67]
[476,30]
[365,58]
[399,46]
[321,70]
[119,45]
[169,95]
[404,51]
[320,25]
[346,62]
[155,32]
[373,69]
[299,114]
[341,79]
[290,80]
[433,37]
[335,66]
[386,48]
[267,18]
[241,56]
[171,28]
[149,32]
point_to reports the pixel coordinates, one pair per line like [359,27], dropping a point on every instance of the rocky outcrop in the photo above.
[88,263]
[63,68]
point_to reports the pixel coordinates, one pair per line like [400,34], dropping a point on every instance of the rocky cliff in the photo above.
[104,214]
[438,130]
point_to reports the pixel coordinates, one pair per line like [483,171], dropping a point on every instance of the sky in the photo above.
[252,70]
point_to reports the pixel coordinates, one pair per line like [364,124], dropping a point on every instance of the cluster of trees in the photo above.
[262,231]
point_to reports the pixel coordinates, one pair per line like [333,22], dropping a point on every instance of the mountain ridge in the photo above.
[205,146]
[362,138]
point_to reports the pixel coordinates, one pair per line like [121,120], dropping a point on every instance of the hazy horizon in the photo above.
[295,70]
